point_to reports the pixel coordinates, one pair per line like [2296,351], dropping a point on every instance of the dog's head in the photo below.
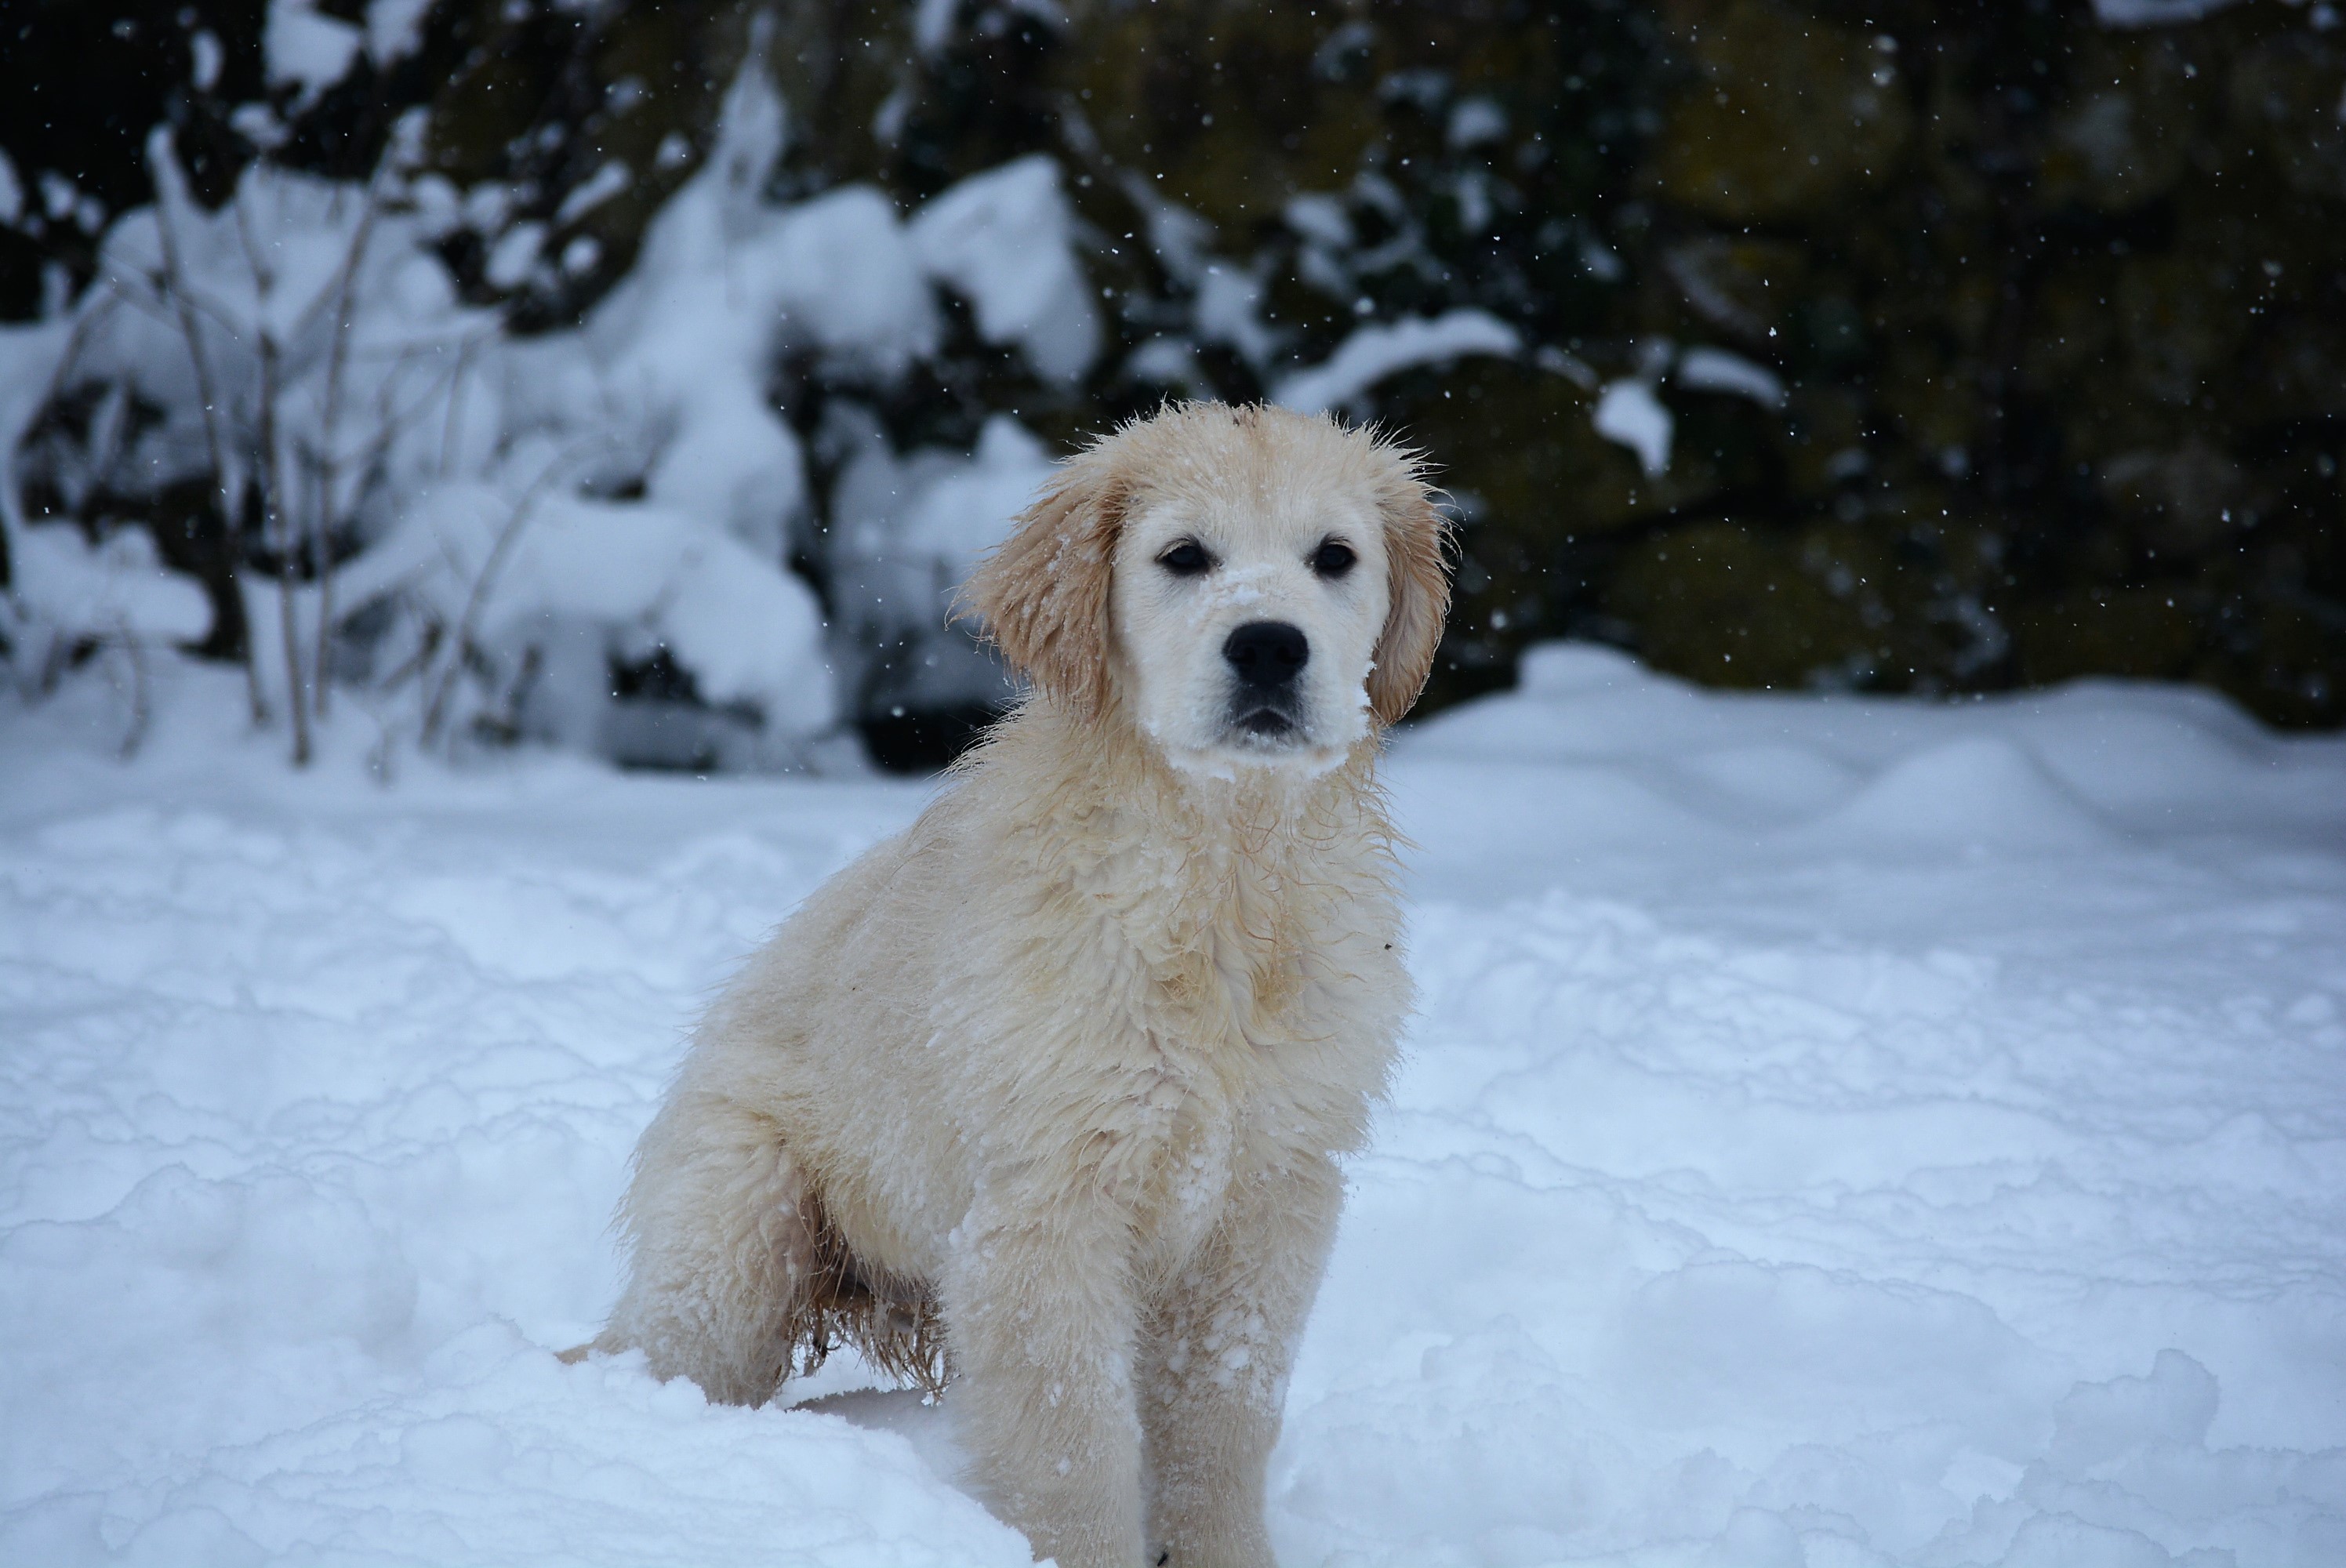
[1248,586]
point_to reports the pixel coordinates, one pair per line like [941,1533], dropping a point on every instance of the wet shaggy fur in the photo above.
[1050,1088]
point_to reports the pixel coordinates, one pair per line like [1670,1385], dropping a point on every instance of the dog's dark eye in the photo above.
[1333,558]
[1185,559]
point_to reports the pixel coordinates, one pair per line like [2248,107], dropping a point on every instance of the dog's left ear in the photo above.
[1044,593]
[1415,534]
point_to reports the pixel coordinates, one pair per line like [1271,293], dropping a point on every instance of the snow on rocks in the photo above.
[1838,1132]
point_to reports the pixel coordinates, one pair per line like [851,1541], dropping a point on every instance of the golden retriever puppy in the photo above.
[1049,1089]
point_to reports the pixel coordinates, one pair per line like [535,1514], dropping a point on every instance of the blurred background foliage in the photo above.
[2033,323]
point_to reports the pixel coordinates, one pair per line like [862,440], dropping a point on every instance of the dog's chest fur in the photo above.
[1231,951]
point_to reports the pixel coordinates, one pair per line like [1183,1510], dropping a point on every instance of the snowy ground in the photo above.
[1837,1133]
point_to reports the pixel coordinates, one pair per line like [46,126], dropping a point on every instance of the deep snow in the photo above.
[1837,1133]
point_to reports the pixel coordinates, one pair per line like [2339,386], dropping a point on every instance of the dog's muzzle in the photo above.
[1267,660]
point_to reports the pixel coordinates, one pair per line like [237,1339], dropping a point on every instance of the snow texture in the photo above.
[1227,309]
[116,588]
[1003,238]
[63,588]
[1375,352]
[1476,121]
[394,28]
[1838,1133]
[307,47]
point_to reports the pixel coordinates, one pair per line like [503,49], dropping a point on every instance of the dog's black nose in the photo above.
[1267,654]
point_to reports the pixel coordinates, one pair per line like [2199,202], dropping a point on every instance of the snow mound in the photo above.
[521,528]
[1980,792]
[1003,238]
[116,588]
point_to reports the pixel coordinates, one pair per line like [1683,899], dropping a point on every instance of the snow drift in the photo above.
[1838,1133]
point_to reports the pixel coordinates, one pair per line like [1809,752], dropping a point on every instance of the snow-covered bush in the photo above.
[435,508]
[472,530]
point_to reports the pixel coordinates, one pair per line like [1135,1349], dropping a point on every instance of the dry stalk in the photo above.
[276,526]
[329,474]
[141,703]
[168,191]
[461,638]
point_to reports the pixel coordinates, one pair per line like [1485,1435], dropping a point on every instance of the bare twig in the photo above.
[79,334]
[142,705]
[169,192]
[276,526]
[12,521]
[184,295]
[392,422]
[329,476]
[462,637]
[448,435]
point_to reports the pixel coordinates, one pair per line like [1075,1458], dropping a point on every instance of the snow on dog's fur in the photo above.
[1051,1086]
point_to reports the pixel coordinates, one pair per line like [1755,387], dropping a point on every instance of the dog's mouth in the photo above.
[1266,727]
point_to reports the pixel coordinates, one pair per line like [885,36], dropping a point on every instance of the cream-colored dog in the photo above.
[1051,1086]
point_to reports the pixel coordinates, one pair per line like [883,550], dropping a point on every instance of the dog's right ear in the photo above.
[1044,593]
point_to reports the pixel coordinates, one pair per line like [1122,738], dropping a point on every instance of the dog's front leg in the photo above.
[1214,1373]
[1039,1313]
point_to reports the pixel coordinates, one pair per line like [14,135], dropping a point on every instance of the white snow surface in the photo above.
[1837,1133]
